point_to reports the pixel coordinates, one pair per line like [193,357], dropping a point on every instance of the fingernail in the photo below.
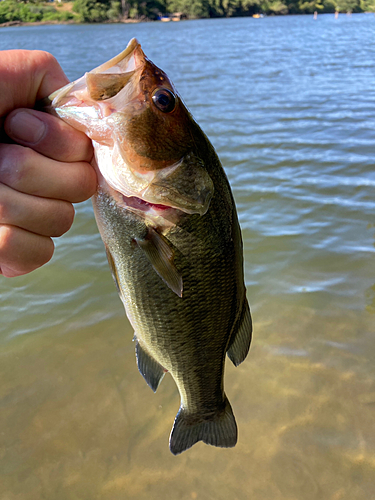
[26,127]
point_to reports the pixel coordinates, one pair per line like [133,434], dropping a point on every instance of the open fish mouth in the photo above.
[162,216]
[103,82]
[142,205]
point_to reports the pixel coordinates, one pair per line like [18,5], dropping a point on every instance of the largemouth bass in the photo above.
[168,221]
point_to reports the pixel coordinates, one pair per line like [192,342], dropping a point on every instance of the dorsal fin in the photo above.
[240,343]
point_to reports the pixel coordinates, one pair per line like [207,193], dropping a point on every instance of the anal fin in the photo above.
[150,369]
[240,344]
[160,255]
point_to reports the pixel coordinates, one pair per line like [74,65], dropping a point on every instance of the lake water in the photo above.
[289,104]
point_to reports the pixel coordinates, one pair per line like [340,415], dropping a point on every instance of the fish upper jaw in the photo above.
[129,60]
[110,87]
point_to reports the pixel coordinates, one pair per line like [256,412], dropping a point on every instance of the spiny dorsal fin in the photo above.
[161,255]
[150,369]
[240,344]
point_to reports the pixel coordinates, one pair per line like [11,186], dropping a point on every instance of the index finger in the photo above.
[27,76]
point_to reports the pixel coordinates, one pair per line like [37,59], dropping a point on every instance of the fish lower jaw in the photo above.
[143,205]
[162,216]
[157,215]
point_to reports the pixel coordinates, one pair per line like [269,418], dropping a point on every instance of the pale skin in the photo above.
[44,163]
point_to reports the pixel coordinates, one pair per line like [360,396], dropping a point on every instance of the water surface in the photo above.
[289,104]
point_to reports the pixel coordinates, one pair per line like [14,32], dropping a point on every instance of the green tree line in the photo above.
[97,10]
[91,11]
[29,12]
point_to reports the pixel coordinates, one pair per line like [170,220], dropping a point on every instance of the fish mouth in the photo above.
[143,205]
[101,83]
[128,60]
[184,186]
[161,216]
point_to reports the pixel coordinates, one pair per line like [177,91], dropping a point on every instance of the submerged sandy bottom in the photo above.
[77,420]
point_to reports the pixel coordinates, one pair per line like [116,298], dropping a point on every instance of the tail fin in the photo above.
[220,430]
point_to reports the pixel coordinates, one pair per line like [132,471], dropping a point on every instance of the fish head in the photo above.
[144,136]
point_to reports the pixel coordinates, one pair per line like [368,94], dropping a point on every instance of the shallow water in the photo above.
[289,104]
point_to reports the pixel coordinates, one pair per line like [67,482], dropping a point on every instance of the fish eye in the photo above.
[164,100]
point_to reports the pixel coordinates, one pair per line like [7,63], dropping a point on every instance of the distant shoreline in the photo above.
[136,21]
[46,23]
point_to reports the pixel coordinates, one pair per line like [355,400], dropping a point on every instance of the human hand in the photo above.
[44,167]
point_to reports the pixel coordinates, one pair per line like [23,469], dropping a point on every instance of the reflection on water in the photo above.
[289,105]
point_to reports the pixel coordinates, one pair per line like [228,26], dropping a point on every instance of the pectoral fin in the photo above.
[240,344]
[113,269]
[150,369]
[160,254]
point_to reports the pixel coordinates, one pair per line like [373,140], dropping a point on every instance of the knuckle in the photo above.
[42,253]
[43,54]
[22,252]
[87,182]
[15,164]
[4,211]
[6,238]
[43,63]
[46,253]
[63,218]
[71,145]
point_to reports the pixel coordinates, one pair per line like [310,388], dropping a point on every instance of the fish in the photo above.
[167,217]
